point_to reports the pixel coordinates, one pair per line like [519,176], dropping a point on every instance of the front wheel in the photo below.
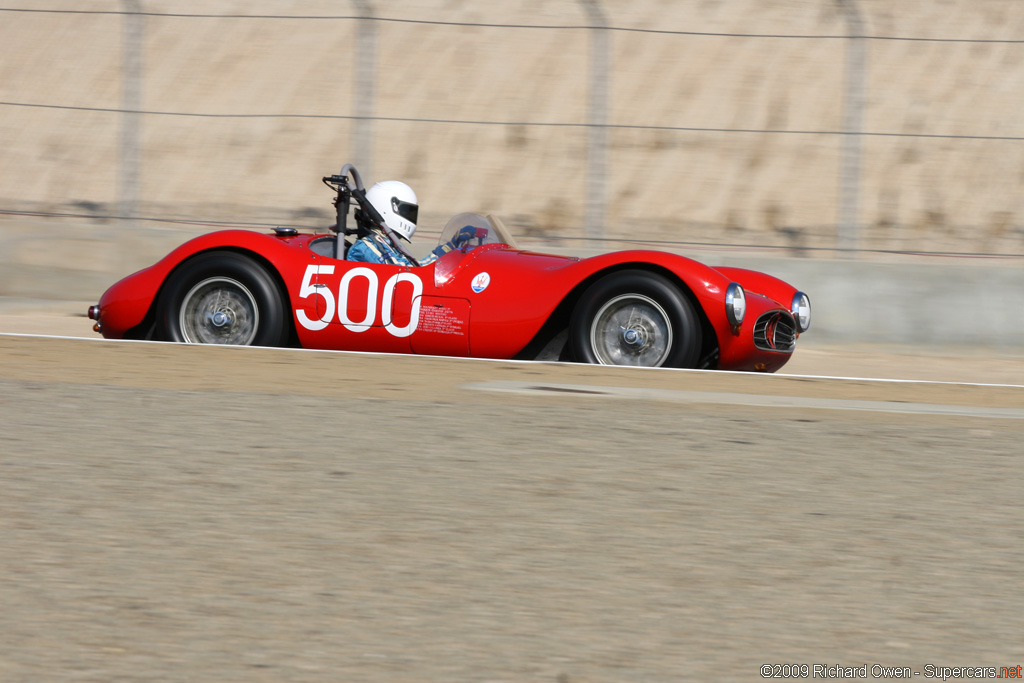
[222,298]
[636,318]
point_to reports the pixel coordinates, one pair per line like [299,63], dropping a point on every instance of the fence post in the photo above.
[597,121]
[848,237]
[131,105]
[366,65]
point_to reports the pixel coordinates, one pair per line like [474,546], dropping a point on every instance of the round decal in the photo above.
[480,282]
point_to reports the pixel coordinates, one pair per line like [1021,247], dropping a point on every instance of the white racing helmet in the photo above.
[397,204]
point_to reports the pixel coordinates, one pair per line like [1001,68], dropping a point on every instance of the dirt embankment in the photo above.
[678,173]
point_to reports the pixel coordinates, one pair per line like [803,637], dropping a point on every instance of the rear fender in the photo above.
[128,308]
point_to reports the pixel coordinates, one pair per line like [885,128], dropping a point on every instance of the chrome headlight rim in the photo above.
[735,304]
[801,310]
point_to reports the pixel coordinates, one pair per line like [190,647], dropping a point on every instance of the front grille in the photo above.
[775,331]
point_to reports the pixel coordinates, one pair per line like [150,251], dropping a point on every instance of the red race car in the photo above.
[484,299]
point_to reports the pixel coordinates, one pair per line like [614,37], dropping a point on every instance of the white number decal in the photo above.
[389,293]
[371,299]
[309,289]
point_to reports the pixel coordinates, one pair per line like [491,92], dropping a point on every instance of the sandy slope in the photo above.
[663,182]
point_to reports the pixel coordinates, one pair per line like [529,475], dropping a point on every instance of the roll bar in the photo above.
[349,185]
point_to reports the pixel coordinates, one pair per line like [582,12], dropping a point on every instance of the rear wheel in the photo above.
[636,318]
[222,298]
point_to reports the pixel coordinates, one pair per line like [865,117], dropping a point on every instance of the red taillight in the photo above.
[94,313]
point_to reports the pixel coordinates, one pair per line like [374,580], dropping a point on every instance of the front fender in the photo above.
[761,283]
[526,288]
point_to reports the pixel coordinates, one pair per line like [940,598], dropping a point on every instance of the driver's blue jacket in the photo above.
[376,248]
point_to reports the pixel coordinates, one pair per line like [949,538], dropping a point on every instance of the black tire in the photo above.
[633,317]
[222,298]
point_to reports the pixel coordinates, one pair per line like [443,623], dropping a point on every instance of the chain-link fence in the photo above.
[806,126]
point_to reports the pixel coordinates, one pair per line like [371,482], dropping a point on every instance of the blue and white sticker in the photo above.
[480,282]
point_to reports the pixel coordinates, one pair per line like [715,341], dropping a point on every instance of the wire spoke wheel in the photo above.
[635,318]
[222,298]
[219,310]
[631,329]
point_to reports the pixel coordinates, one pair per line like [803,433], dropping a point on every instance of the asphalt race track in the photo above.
[183,513]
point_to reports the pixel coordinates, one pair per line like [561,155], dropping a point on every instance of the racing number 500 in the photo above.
[308,289]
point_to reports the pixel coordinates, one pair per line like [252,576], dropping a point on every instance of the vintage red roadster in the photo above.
[485,299]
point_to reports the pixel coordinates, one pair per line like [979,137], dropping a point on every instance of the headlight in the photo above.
[735,304]
[801,309]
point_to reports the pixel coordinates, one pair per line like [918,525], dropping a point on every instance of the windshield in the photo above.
[455,260]
[497,233]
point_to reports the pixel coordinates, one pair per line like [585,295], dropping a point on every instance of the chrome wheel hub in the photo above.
[634,337]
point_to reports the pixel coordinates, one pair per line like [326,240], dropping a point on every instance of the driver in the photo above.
[397,204]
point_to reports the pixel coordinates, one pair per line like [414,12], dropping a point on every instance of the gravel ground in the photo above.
[199,514]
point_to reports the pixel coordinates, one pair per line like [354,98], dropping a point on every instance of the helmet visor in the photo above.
[404,209]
